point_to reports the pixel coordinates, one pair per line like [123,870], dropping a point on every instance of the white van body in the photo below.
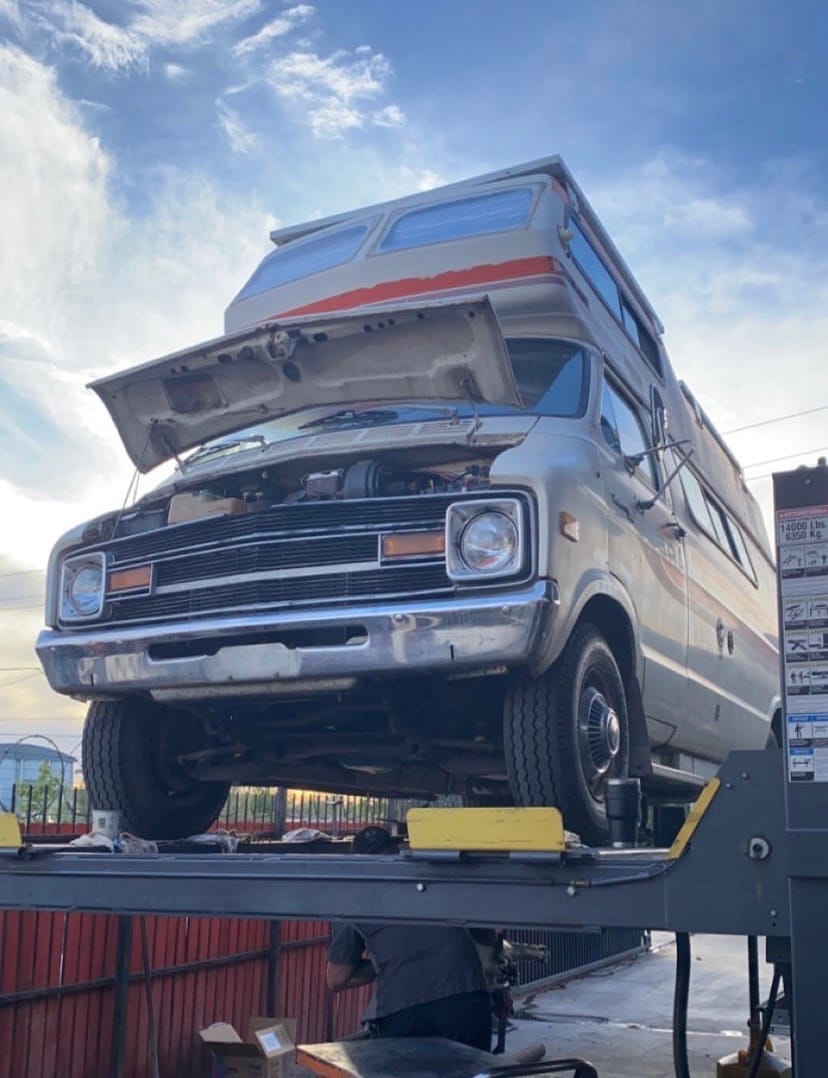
[451,525]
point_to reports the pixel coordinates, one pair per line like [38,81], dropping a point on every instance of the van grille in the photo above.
[282,557]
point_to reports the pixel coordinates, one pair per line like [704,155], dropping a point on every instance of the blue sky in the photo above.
[148,146]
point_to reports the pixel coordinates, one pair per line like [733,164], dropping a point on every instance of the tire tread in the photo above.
[538,745]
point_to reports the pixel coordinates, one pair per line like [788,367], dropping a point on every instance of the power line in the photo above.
[776,419]
[21,572]
[789,456]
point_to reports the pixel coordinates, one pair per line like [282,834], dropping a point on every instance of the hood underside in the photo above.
[440,351]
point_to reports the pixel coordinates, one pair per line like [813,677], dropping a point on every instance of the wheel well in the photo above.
[611,618]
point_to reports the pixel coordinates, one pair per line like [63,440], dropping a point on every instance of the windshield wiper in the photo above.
[351,416]
[371,416]
[222,447]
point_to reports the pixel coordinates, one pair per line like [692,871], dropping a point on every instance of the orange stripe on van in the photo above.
[475,276]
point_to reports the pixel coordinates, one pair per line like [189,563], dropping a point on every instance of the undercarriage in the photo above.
[402,737]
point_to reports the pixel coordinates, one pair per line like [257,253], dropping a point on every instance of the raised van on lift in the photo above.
[443,520]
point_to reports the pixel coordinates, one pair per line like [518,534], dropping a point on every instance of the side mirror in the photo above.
[641,506]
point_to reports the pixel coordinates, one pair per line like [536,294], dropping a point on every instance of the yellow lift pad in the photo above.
[10,837]
[486,829]
[693,819]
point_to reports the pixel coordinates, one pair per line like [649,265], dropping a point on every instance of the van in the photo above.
[443,521]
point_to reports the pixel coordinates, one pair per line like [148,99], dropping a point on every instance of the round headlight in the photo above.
[489,542]
[84,587]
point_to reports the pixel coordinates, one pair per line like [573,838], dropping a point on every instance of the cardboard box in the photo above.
[266,1053]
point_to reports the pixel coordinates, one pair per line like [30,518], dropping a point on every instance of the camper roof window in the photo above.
[303,257]
[501,211]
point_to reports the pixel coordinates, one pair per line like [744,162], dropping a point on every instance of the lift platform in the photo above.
[729,872]
[737,848]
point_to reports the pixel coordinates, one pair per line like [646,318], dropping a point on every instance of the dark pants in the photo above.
[466,1018]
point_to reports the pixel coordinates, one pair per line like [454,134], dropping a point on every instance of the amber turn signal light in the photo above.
[413,544]
[126,579]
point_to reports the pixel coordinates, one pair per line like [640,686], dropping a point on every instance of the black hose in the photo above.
[753,981]
[680,1001]
[766,1022]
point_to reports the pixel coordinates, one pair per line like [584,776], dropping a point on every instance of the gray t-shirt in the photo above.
[414,963]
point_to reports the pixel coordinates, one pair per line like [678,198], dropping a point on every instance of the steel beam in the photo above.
[717,886]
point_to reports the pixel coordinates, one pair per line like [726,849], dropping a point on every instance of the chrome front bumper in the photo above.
[456,634]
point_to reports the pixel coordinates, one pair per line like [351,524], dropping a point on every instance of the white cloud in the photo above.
[175,72]
[10,12]
[277,28]
[87,289]
[54,212]
[739,276]
[185,22]
[333,118]
[75,27]
[306,74]
[230,123]
[331,91]
[702,217]
[390,116]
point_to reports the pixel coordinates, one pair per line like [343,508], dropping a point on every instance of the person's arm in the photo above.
[346,966]
[344,975]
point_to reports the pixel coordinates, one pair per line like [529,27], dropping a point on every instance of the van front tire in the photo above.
[567,732]
[129,764]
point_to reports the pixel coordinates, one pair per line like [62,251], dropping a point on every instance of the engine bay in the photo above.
[292,482]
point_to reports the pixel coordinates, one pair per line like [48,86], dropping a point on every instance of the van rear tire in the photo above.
[129,764]
[567,732]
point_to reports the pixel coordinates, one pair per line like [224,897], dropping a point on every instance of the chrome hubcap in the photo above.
[599,735]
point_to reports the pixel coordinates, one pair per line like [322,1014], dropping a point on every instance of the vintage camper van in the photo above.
[443,520]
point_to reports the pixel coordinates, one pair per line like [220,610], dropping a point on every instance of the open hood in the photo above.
[443,351]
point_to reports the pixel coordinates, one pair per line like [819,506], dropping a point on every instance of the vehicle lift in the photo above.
[751,860]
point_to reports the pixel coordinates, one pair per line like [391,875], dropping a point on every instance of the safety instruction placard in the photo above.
[802,545]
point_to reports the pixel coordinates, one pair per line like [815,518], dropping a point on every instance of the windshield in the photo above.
[552,377]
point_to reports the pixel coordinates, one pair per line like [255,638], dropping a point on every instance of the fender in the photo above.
[593,584]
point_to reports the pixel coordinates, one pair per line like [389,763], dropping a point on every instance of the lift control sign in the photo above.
[802,553]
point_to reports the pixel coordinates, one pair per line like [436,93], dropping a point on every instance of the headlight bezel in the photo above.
[461,515]
[70,610]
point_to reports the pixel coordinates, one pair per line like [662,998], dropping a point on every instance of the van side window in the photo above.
[714,519]
[594,269]
[737,542]
[695,498]
[623,431]
[603,282]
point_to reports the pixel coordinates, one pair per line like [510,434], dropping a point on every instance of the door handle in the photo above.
[678,531]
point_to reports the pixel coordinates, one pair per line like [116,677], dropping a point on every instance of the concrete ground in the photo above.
[619,1018]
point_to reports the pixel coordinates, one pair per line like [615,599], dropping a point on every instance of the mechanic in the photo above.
[428,980]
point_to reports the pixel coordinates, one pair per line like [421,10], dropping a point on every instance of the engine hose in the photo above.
[680,1001]
[766,1022]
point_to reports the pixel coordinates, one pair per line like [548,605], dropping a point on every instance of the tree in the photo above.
[45,793]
